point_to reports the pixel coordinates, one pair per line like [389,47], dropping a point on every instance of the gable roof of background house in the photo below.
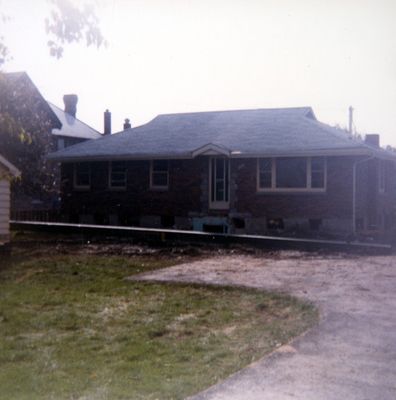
[261,132]
[71,126]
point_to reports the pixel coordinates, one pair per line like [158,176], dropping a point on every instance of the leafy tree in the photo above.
[68,22]
[25,137]
[25,126]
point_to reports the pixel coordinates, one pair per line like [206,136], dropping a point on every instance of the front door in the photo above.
[219,183]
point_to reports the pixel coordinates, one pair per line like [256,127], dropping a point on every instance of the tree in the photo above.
[68,22]
[25,123]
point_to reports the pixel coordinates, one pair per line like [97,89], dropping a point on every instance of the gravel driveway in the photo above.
[350,354]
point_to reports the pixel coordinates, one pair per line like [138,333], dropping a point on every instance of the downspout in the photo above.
[354,191]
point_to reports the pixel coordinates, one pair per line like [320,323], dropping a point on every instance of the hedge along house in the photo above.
[7,173]
[248,171]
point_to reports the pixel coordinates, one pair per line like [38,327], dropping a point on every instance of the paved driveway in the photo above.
[350,354]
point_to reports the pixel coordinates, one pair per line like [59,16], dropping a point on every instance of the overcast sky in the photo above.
[167,56]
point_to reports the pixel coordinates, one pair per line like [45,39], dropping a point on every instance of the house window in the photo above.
[291,174]
[159,174]
[117,175]
[317,172]
[382,177]
[265,173]
[82,175]
[219,176]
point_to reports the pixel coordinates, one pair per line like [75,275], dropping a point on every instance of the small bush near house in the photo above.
[71,327]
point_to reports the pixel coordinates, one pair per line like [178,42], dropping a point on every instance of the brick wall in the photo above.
[182,197]
[335,202]
[187,195]
[378,208]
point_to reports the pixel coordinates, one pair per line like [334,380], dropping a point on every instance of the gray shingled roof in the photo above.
[71,126]
[283,131]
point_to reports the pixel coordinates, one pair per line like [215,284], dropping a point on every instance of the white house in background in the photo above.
[7,172]
[73,130]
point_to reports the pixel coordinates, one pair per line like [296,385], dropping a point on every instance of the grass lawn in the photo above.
[71,327]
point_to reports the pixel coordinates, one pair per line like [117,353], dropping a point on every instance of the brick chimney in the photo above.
[373,139]
[70,101]
[127,124]
[107,122]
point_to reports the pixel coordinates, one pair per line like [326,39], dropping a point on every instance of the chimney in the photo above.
[107,122]
[127,124]
[373,139]
[70,101]
[350,120]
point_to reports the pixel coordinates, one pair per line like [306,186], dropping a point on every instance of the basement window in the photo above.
[275,224]
[291,174]
[159,174]
[214,228]
[167,221]
[117,175]
[82,176]
[239,223]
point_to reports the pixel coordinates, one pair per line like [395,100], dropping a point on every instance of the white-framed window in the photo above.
[382,176]
[291,174]
[159,174]
[82,175]
[219,186]
[317,173]
[117,175]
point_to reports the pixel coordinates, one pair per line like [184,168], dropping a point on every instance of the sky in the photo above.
[171,56]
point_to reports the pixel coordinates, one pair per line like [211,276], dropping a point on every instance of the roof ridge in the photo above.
[308,108]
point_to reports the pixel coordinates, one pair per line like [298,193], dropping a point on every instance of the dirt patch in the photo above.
[350,354]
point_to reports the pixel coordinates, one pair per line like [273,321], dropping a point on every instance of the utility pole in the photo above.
[350,119]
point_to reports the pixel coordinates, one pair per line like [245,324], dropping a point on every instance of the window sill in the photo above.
[81,188]
[219,206]
[292,191]
[159,188]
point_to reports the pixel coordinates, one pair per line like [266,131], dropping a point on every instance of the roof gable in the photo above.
[71,126]
[210,149]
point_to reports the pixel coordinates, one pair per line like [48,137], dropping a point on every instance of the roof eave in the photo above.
[58,133]
[67,159]
[14,171]
[233,154]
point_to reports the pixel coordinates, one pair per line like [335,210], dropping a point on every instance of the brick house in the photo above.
[249,171]
[73,130]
